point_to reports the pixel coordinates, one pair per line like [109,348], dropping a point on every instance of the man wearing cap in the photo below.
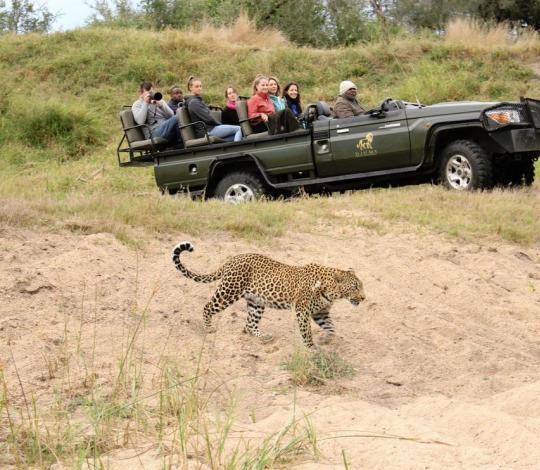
[346,103]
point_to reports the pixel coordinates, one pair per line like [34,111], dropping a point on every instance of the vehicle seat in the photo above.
[318,111]
[188,132]
[134,134]
[323,111]
[216,113]
[241,109]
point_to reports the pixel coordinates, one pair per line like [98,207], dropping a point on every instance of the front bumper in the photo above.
[518,140]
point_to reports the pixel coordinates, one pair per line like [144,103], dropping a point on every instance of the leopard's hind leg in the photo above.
[255,313]
[224,296]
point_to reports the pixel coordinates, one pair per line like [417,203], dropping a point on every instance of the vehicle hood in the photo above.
[453,107]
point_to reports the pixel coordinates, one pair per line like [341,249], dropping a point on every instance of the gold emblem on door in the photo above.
[365,146]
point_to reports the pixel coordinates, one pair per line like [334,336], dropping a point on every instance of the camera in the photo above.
[156,96]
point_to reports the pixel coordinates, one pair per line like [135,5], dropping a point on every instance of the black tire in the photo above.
[515,173]
[240,186]
[465,166]
[526,176]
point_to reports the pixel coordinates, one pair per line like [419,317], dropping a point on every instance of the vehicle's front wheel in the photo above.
[240,186]
[465,166]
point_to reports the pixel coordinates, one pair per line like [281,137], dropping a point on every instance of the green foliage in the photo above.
[315,368]
[67,131]
[65,89]
[519,11]
[23,16]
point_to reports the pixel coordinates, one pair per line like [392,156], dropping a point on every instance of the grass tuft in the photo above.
[315,368]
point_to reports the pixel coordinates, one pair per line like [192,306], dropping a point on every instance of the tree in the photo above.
[525,12]
[302,21]
[347,21]
[121,13]
[24,16]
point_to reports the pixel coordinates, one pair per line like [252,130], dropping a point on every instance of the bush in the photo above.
[316,367]
[67,131]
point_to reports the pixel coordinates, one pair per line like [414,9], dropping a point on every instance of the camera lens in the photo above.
[157,96]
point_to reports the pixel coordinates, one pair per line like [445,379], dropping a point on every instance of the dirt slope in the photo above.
[446,347]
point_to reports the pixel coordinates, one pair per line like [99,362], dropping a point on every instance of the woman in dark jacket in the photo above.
[229,114]
[199,111]
[291,94]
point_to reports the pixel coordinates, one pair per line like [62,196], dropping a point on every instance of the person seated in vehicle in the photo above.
[262,114]
[346,103]
[273,92]
[177,98]
[199,111]
[291,94]
[229,115]
[150,109]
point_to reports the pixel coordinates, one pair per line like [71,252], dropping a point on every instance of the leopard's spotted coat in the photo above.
[310,290]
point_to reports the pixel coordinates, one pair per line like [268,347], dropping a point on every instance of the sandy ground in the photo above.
[446,347]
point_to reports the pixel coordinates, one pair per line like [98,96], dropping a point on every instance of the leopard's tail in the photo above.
[187,246]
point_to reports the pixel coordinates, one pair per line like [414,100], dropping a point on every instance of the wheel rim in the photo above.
[459,172]
[239,193]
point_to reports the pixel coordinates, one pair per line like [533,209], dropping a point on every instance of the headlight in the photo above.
[504,115]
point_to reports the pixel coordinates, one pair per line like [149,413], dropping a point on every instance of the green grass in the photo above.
[59,129]
[316,367]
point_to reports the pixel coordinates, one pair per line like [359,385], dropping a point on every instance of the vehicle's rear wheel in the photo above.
[465,166]
[240,186]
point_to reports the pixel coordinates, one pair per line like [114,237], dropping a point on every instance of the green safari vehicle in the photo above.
[464,145]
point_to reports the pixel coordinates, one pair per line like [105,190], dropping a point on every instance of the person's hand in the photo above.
[264,117]
[146,97]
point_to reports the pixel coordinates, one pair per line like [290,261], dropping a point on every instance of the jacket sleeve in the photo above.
[167,111]
[140,111]
[253,108]
[342,110]
[200,112]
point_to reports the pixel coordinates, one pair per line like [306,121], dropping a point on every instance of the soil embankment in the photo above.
[446,347]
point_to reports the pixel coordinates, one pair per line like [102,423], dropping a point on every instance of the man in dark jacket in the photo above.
[177,98]
[346,103]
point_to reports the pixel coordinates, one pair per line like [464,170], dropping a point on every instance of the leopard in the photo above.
[308,290]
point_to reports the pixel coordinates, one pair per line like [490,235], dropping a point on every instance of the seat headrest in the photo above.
[323,109]
[241,109]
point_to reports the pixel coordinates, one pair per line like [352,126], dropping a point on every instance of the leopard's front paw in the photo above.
[210,329]
[266,337]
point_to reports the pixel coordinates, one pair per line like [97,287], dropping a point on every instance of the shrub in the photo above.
[68,131]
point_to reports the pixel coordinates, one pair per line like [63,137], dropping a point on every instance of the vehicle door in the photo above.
[365,144]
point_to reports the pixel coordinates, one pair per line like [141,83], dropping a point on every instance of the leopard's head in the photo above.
[350,287]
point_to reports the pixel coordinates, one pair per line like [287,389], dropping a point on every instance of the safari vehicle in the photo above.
[464,145]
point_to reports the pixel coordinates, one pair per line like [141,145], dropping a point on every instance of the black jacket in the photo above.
[229,116]
[199,111]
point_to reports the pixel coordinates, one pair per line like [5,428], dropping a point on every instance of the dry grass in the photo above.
[242,33]
[478,34]
[166,404]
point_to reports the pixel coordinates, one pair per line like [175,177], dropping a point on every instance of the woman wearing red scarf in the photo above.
[262,114]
